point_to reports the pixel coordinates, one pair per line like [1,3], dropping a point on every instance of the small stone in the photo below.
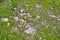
[5,19]
[15,8]
[19,25]
[28,25]
[37,27]
[15,29]
[30,31]
[22,14]
[29,15]
[46,24]
[38,6]
[52,16]
[22,10]
[28,38]
[23,20]
[58,18]
[37,17]
[16,18]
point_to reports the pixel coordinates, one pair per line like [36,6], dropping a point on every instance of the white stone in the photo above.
[38,6]
[23,14]
[15,8]
[22,20]
[53,16]
[45,24]
[5,19]
[29,15]
[30,31]
[16,18]
[58,17]
[28,38]
[28,25]
[14,28]
[20,25]
[37,17]
[21,10]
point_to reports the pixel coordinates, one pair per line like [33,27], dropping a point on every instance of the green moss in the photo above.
[1,1]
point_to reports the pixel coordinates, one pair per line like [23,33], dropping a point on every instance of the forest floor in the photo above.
[29,20]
